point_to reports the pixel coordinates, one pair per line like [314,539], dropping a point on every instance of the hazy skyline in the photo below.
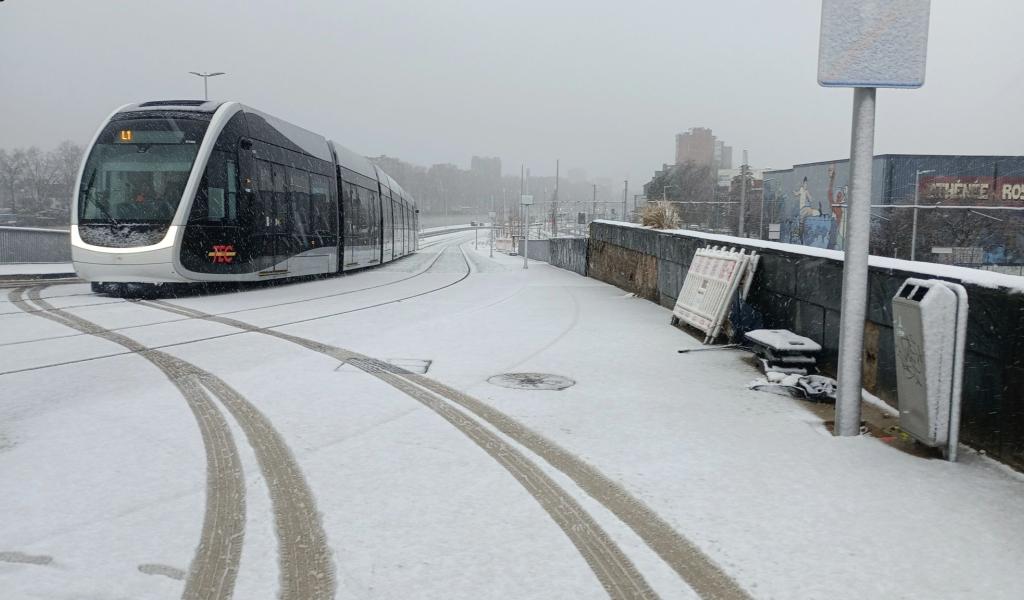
[601,86]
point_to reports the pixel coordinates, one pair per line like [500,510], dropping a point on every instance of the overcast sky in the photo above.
[602,85]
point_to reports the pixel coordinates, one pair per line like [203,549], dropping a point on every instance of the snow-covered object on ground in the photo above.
[929,325]
[783,341]
[712,281]
[783,351]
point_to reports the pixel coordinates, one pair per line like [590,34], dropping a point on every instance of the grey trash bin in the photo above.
[930,326]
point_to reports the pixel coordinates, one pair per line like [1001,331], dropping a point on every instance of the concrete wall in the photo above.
[31,245]
[566,253]
[800,291]
[538,249]
[569,254]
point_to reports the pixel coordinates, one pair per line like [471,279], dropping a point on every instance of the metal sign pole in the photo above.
[526,239]
[490,238]
[865,45]
[855,265]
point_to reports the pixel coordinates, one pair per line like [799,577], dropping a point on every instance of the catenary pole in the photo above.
[554,205]
[855,265]
[625,194]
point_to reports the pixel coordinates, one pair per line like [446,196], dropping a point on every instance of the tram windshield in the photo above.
[137,170]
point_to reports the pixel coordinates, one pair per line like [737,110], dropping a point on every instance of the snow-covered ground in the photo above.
[103,469]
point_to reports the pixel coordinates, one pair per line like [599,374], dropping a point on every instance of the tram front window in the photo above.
[137,171]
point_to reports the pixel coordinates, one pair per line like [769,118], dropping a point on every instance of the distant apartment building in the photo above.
[700,147]
[723,155]
[696,146]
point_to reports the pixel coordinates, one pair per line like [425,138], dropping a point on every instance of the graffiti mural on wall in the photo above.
[807,205]
[810,207]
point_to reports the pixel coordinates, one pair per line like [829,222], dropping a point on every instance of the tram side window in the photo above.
[397,210]
[265,185]
[217,198]
[375,219]
[282,215]
[364,222]
[231,210]
[321,206]
[298,199]
[350,208]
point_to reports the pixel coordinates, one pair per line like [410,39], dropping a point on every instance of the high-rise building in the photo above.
[696,146]
[723,155]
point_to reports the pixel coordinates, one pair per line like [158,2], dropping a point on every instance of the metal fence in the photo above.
[31,245]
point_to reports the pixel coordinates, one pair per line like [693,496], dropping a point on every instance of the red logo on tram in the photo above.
[224,253]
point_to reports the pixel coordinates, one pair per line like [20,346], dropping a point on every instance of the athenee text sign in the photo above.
[873,43]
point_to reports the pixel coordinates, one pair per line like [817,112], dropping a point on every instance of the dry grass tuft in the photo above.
[659,215]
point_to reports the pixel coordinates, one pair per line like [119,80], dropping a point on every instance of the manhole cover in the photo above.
[532,381]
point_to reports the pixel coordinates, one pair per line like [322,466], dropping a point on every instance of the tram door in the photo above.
[350,212]
[389,229]
[270,224]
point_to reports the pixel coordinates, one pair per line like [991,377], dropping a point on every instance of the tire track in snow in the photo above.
[214,566]
[306,570]
[612,567]
[685,558]
[692,565]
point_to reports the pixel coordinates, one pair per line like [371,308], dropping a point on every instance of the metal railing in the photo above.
[32,245]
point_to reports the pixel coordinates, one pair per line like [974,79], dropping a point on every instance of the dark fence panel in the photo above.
[30,245]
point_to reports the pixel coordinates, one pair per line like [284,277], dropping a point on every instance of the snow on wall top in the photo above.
[986,279]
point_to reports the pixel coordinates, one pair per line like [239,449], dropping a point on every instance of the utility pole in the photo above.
[593,206]
[554,205]
[913,230]
[206,76]
[625,194]
[743,196]
[760,231]
[520,203]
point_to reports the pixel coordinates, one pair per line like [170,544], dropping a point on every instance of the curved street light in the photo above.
[206,77]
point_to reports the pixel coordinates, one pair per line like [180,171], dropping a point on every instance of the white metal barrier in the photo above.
[711,283]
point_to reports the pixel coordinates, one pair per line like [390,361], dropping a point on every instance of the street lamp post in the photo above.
[206,77]
[913,229]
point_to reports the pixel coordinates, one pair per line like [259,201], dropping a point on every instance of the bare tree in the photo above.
[11,166]
[67,158]
[38,174]
[688,182]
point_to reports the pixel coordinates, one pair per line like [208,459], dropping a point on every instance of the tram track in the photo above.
[8,283]
[418,273]
[218,336]
[306,569]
